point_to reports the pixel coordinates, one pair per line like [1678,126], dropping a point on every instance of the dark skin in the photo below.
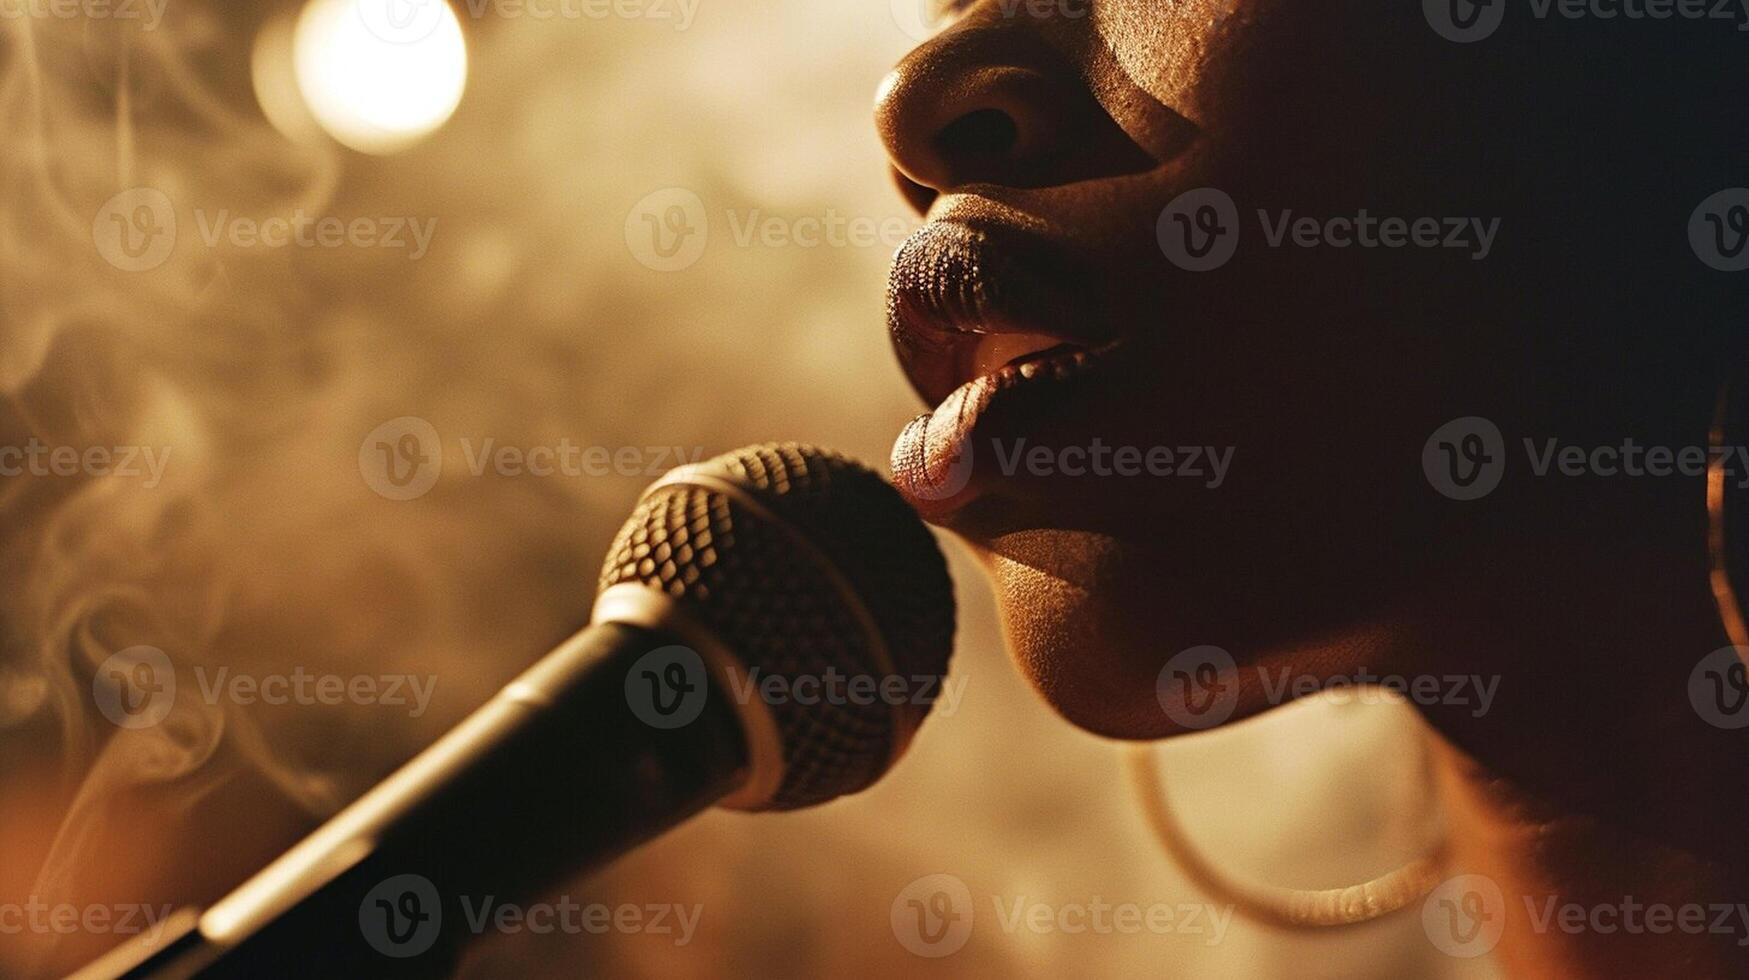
[1053,141]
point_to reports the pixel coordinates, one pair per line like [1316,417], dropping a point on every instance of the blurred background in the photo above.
[327,284]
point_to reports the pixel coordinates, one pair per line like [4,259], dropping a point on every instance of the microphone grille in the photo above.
[803,564]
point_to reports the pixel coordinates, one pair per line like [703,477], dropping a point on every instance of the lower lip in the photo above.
[933,465]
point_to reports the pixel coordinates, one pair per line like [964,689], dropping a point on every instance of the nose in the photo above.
[996,103]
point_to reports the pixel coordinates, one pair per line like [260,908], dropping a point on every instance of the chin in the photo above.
[1087,646]
[1122,647]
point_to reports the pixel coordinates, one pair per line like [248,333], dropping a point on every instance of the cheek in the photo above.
[1167,49]
[1264,81]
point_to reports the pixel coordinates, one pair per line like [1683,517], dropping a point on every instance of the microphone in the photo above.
[737,585]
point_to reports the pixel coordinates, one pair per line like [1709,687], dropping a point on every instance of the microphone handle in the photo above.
[553,777]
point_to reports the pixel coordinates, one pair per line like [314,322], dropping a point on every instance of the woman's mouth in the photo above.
[983,321]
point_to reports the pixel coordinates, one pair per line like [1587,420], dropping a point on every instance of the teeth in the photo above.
[995,351]
[994,355]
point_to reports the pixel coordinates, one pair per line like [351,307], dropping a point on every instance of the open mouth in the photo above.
[1048,361]
[979,316]
[965,302]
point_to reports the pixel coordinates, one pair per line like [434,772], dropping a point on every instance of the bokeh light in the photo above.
[379,75]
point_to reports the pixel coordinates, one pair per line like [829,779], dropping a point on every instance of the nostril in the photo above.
[993,104]
[917,195]
[983,134]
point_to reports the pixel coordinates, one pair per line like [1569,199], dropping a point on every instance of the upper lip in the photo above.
[959,290]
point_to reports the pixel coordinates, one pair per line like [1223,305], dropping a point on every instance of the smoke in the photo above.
[216,395]
[222,519]
[268,546]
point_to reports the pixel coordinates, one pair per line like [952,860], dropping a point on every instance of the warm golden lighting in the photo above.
[379,75]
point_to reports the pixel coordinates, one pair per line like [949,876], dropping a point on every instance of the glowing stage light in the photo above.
[379,75]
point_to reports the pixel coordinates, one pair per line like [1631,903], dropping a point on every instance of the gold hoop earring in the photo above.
[1718,546]
[1295,908]
[1397,889]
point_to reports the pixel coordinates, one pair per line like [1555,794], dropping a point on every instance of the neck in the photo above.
[1594,794]
[1584,895]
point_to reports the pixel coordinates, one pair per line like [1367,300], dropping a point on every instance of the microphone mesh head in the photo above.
[760,547]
